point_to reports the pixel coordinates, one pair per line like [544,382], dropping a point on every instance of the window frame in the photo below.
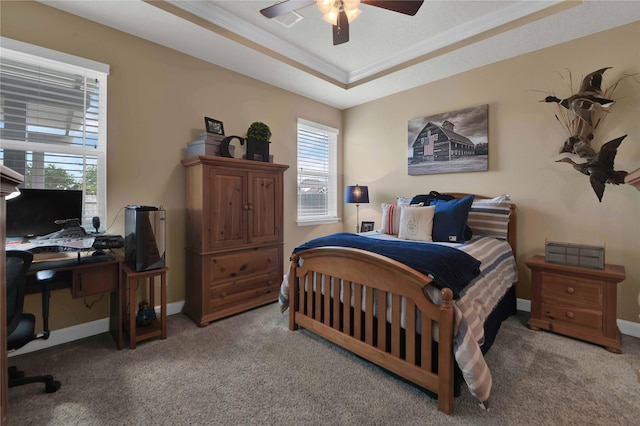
[331,174]
[32,55]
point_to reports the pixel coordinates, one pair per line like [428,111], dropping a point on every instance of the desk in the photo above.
[86,276]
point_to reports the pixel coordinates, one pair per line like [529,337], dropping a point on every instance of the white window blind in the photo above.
[317,173]
[53,123]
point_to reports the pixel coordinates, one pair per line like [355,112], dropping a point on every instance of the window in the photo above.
[317,173]
[53,121]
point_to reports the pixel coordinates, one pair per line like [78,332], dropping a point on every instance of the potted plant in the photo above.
[258,136]
[259,131]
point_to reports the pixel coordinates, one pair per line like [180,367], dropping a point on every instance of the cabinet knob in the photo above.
[570,290]
[250,206]
[245,207]
[569,314]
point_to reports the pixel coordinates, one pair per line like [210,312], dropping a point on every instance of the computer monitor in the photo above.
[35,212]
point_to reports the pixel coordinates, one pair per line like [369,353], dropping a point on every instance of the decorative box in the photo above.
[575,254]
[207,144]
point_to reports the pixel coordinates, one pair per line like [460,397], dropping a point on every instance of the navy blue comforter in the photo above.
[447,266]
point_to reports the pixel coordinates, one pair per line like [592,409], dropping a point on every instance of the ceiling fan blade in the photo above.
[285,7]
[341,31]
[408,7]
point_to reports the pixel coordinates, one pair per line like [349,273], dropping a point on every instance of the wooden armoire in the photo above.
[234,235]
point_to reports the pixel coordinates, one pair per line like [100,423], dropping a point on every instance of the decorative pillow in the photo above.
[490,218]
[390,219]
[403,201]
[416,223]
[450,219]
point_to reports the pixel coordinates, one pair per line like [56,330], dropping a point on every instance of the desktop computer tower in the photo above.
[144,241]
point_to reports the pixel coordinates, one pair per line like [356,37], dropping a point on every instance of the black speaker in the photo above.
[96,223]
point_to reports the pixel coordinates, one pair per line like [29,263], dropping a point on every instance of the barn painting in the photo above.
[450,142]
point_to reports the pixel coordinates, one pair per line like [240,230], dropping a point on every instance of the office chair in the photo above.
[21,326]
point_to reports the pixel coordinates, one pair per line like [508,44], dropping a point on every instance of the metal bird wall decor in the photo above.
[580,114]
[600,168]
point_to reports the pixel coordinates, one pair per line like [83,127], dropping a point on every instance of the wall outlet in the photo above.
[639,375]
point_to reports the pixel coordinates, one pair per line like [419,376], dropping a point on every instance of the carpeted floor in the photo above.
[251,370]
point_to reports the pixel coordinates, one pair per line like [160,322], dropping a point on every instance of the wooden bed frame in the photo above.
[387,345]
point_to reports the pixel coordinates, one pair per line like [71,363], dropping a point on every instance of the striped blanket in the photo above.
[498,273]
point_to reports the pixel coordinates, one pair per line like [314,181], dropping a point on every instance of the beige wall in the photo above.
[158,98]
[554,201]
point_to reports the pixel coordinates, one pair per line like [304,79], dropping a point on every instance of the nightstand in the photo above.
[576,301]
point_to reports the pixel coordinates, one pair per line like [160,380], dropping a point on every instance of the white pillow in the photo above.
[416,223]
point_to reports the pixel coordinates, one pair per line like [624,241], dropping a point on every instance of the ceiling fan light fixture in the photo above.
[350,4]
[331,16]
[352,14]
[325,5]
[330,9]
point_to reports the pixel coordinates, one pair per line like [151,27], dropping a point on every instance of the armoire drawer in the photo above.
[240,291]
[243,264]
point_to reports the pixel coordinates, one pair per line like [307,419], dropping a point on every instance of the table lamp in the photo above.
[356,194]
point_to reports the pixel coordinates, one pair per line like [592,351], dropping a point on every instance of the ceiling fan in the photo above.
[340,13]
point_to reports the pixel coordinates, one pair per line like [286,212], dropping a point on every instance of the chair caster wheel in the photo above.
[52,387]
[14,373]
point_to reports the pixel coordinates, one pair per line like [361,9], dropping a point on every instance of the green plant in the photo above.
[260,131]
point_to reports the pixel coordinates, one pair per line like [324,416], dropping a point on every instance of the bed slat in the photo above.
[410,335]
[327,299]
[368,322]
[382,322]
[346,312]
[357,311]
[395,325]
[337,284]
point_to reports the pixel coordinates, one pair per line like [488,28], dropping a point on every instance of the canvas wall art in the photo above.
[451,142]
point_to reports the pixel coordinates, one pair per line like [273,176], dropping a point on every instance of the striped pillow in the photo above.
[390,219]
[489,218]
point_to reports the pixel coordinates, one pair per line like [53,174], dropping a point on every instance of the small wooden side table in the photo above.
[576,301]
[158,327]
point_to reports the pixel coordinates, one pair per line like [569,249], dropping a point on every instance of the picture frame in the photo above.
[214,126]
[366,226]
[450,142]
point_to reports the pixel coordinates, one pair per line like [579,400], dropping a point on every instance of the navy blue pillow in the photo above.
[450,219]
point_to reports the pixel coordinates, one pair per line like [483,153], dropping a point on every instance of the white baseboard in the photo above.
[626,327]
[92,328]
[81,331]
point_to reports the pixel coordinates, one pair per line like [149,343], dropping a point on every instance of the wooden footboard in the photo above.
[337,293]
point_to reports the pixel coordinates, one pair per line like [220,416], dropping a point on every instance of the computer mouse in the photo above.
[98,253]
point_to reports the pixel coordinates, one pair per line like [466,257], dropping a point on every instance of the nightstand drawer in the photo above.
[569,290]
[583,318]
